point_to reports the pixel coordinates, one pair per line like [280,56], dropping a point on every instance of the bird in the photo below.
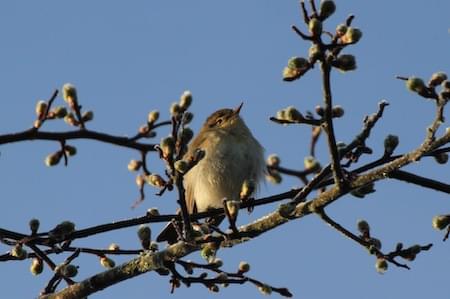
[232,156]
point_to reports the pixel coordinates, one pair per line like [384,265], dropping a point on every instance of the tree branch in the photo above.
[33,134]
[334,155]
[420,181]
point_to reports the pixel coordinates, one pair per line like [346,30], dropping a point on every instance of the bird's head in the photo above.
[224,119]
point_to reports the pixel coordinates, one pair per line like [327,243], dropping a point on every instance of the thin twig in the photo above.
[307,121]
[389,257]
[79,134]
[420,181]
[334,155]
[301,34]
[187,228]
[304,12]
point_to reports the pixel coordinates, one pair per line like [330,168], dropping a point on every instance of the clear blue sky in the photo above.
[129,57]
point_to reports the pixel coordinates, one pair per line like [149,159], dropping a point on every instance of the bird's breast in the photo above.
[229,161]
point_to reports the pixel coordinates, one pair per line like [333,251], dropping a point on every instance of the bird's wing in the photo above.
[197,143]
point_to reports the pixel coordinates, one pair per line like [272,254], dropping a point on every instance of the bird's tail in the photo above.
[169,233]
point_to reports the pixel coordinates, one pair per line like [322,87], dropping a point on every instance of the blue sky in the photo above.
[128,58]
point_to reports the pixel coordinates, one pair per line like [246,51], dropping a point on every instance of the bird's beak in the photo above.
[237,109]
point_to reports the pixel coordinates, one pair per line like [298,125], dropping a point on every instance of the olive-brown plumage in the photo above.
[232,155]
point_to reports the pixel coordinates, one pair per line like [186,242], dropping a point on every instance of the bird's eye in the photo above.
[219,121]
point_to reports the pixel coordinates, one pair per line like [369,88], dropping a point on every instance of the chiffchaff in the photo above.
[232,156]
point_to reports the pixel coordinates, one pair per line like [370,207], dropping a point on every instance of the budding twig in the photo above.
[301,34]
[32,134]
[335,160]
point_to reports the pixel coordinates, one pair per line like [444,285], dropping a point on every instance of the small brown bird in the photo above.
[232,156]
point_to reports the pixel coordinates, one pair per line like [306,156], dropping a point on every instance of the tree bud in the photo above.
[341,29]
[293,114]
[140,180]
[390,144]
[213,288]
[62,230]
[381,265]
[415,84]
[175,282]
[216,263]
[67,270]
[208,252]
[37,266]
[144,129]
[70,270]
[286,210]
[18,252]
[314,53]
[446,84]
[153,246]
[70,150]
[320,110]
[311,164]
[144,232]
[297,63]
[181,166]
[175,109]
[153,116]
[71,120]
[222,276]
[244,267]
[445,95]
[345,62]
[274,178]
[114,247]
[152,212]
[409,256]
[37,123]
[41,107]
[437,78]
[186,100]
[273,160]
[134,165]
[53,159]
[60,112]
[188,267]
[441,158]
[352,35]
[440,222]
[155,180]
[415,249]
[281,114]
[363,227]
[70,94]
[376,243]
[327,8]
[265,289]
[34,225]
[187,117]
[337,111]
[290,74]
[186,135]
[87,116]
[315,27]
[107,263]
[167,146]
